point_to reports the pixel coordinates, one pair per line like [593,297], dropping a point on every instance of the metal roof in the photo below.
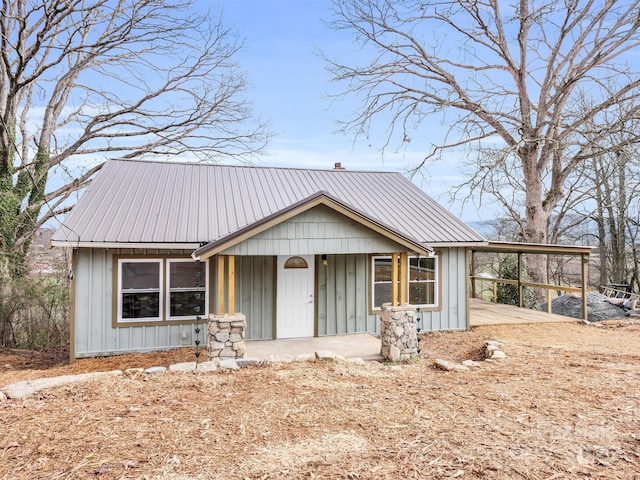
[144,202]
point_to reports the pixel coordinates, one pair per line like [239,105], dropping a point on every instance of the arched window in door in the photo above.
[296,262]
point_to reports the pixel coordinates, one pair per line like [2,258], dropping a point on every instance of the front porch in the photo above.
[367,346]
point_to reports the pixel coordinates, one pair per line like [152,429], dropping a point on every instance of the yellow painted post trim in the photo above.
[220,289]
[404,277]
[394,279]
[548,301]
[495,292]
[232,284]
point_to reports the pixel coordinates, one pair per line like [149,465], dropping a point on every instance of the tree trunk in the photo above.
[537,217]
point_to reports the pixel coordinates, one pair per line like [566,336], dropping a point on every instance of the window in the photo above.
[423,274]
[296,262]
[187,289]
[422,281]
[381,275]
[157,289]
[140,289]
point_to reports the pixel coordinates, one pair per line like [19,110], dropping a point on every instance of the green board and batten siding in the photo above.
[342,296]
[93,310]
[453,288]
[93,328]
[318,231]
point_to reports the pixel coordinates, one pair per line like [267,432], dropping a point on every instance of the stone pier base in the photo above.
[398,332]
[226,336]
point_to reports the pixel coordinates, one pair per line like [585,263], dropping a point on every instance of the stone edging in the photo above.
[28,388]
[492,351]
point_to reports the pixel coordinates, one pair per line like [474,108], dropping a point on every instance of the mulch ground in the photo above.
[565,404]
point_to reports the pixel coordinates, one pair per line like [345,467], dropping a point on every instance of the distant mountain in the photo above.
[486,228]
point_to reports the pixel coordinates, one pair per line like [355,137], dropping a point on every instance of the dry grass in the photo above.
[564,404]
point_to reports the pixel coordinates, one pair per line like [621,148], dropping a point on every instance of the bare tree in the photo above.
[85,79]
[502,75]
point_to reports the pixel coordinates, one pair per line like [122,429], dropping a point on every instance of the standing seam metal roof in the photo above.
[162,202]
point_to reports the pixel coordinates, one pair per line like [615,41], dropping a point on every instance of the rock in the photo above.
[471,364]
[498,355]
[598,307]
[155,370]
[228,364]
[394,353]
[228,352]
[213,328]
[209,366]
[325,355]
[222,337]
[449,366]
[243,362]
[27,388]
[304,357]
[182,367]
[443,364]
[280,359]
[356,360]
[133,372]
[395,368]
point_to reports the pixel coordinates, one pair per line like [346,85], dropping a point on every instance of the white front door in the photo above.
[295,304]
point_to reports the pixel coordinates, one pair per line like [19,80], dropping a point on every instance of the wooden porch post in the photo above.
[231,277]
[520,302]
[585,280]
[226,277]
[394,279]
[404,265]
[220,289]
[472,265]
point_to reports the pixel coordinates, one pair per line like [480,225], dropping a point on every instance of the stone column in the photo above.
[226,336]
[398,332]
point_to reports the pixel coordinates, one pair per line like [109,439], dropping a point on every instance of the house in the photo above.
[300,252]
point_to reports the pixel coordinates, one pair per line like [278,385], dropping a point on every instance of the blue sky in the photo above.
[289,87]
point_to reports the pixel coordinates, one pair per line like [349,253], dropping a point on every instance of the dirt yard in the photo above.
[565,404]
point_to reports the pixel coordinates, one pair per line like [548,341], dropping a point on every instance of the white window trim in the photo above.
[204,289]
[160,262]
[435,282]
[374,307]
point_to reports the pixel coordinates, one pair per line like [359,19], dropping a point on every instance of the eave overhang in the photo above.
[134,245]
[537,248]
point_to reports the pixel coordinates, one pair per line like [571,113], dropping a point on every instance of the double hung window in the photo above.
[160,289]
[422,280]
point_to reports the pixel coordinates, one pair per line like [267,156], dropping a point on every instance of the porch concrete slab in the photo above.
[365,346]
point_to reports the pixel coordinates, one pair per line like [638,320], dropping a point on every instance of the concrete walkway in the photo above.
[365,346]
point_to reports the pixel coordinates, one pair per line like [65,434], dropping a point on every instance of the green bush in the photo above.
[507,293]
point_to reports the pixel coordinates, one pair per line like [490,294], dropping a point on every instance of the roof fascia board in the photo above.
[163,246]
[541,248]
[458,244]
[320,199]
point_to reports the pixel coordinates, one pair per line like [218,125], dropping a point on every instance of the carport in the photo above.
[521,249]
